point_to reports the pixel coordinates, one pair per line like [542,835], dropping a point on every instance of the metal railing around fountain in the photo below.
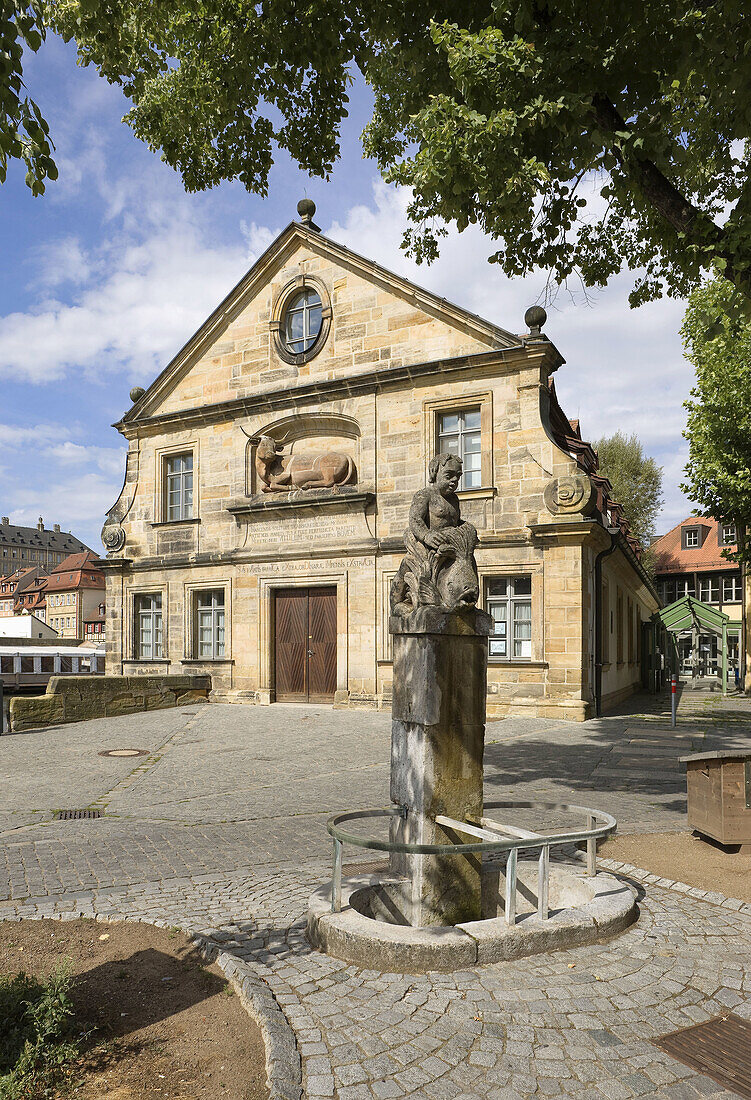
[513,840]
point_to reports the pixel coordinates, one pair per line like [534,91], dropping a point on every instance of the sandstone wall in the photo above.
[80,698]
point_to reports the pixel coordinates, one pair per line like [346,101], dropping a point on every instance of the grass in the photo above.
[37,1045]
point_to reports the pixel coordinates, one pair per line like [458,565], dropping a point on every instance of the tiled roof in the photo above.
[57,541]
[671,558]
[76,571]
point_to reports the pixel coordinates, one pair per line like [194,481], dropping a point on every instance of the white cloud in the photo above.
[13,436]
[149,295]
[108,460]
[47,471]
[81,500]
[62,261]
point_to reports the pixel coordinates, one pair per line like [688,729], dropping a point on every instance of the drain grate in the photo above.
[76,815]
[719,1048]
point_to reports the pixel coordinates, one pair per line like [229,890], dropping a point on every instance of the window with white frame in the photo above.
[691,537]
[731,588]
[303,319]
[148,624]
[178,486]
[727,534]
[209,630]
[673,590]
[508,601]
[709,589]
[459,434]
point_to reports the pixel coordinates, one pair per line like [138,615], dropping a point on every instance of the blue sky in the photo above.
[106,275]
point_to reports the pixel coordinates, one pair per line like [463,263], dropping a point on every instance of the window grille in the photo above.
[508,601]
[459,434]
[149,634]
[179,486]
[709,589]
[731,589]
[302,321]
[210,624]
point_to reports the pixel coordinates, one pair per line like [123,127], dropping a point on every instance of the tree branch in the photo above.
[664,197]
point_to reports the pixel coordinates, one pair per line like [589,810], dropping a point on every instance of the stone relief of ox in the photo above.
[279,472]
[446,577]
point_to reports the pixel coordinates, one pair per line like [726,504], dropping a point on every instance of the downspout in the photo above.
[614,532]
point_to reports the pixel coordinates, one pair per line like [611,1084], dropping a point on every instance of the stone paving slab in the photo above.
[221,830]
[578,1023]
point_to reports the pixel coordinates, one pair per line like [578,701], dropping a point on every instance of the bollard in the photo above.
[673,698]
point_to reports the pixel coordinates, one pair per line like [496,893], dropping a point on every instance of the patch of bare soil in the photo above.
[685,857]
[162,1023]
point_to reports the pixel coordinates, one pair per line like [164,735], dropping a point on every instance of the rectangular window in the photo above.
[178,486]
[210,624]
[727,534]
[508,601]
[676,589]
[459,434]
[709,589]
[731,589]
[691,537]
[149,643]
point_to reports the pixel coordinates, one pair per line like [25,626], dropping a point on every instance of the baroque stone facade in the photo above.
[223,558]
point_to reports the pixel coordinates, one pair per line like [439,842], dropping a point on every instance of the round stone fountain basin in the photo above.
[371,930]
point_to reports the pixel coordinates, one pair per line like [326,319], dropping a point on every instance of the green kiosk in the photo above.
[705,643]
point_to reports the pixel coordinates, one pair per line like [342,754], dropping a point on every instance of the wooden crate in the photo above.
[719,794]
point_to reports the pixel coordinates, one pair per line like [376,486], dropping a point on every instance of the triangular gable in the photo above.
[687,611]
[262,273]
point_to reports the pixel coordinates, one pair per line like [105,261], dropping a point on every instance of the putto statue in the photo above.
[279,473]
[439,568]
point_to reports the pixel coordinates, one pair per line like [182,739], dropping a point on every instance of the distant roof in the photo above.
[61,542]
[671,557]
[76,571]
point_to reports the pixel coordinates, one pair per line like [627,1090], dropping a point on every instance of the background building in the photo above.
[30,596]
[25,626]
[75,592]
[283,595]
[21,547]
[94,629]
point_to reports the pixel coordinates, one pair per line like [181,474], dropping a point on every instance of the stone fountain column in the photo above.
[437,742]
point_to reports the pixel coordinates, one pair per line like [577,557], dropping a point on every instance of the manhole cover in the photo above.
[123,752]
[719,1048]
[76,815]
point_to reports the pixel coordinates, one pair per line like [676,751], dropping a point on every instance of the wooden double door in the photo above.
[305,644]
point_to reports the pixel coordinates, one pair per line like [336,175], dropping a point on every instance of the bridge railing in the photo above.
[18,669]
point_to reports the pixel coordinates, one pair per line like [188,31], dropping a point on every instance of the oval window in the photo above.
[302,321]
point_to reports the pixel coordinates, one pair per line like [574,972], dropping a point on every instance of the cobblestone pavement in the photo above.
[220,830]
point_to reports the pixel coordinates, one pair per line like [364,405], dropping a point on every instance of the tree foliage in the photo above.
[579,136]
[636,481]
[717,339]
[24,134]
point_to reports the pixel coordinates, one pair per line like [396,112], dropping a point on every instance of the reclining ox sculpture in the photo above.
[279,473]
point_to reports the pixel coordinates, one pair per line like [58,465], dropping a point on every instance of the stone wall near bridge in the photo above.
[80,698]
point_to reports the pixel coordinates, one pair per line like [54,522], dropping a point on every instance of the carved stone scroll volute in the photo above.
[570,495]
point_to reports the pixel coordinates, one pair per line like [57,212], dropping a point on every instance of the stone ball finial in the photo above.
[137,393]
[306,208]
[534,319]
